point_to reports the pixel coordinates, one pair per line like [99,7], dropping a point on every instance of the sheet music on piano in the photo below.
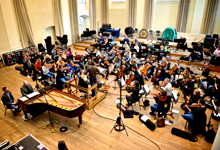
[23,98]
[33,94]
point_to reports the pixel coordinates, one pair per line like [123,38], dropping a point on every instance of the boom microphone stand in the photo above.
[48,109]
[119,125]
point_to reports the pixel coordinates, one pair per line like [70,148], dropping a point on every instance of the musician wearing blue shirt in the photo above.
[126,39]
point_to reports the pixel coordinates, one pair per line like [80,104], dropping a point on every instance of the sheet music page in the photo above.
[122,82]
[101,69]
[23,98]
[146,88]
[174,95]
[33,94]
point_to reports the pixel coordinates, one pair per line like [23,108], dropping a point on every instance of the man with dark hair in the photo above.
[135,92]
[9,100]
[196,113]
[189,86]
[92,70]
[26,88]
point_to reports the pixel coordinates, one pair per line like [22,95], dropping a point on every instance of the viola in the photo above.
[106,62]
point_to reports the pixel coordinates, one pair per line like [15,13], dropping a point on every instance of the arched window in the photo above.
[81,21]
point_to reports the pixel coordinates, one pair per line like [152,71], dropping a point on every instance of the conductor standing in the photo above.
[92,70]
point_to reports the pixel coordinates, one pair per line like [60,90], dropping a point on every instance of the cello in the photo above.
[120,73]
[175,68]
[144,72]
[128,81]
[164,65]
[154,78]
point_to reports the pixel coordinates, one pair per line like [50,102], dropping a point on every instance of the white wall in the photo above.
[41,17]
[198,16]
[4,44]
[165,14]
[10,24]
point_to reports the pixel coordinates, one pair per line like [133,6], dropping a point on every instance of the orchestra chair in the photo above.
[157,34]
[6,107]
[198,125]
[137,99]
[151,34]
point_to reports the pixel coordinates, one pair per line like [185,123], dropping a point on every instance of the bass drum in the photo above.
[143,33]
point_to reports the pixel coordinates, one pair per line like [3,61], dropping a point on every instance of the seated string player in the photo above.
[127,68]
[182,44]
[167,87]
[27,65]
[183,80]
[195,114]
[160,75]
[212,88]
[40,56]
[204,75]
[26,89]
[164,63]
[126,46]
[162,52]
[134,90]
[134,61]
[148,62]
[105,64]
[193,99]
[78,60]
[69,54]
[46,72]
[160,99]
[215,45]
[98,54]
[198,52]
[127,56]
[9,101]
[215,59]
[176,69]
[137,49]
[149,50]
[73,69]
[136,73]
[106,45]
[111,37]
[37,68]
[101,38]
[117,61]
[188,88]
[61,75]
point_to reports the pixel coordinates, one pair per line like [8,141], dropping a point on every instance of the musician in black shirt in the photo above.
[204,75]
[105,64]
[135,93]
[189,86]
[198,52]
[182,43]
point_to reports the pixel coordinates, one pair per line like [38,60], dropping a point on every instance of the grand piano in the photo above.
[58,102]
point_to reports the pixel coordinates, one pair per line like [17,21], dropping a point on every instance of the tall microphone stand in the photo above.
[48,110]
[119,125]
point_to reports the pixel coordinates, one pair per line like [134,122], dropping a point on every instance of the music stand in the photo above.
[191,50]
[121,48]
[96,45]
[146,92]
[110,40]
[143,44]
[132,45]
[215,110]
[134,50]
[122,42]
[175,100]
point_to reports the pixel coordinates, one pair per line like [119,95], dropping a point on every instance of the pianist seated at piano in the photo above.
[9,101]
[26,88]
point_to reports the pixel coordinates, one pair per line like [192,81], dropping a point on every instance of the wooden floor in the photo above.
[95,131]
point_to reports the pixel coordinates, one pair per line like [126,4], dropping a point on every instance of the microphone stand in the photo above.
[119,125]
[48,110]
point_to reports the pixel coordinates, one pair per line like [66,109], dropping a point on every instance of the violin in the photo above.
[106,62]
[128,81]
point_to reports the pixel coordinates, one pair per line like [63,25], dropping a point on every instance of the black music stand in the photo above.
[121,48]
[175,100]
[96,45]
[122,42]
[215,110]
[143,44]
[110,40]
[134,50]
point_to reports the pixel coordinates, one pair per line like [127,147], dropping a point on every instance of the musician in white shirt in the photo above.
[126,46]
[147,41]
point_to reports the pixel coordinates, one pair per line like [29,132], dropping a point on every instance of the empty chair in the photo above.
[151,34]
[157,33]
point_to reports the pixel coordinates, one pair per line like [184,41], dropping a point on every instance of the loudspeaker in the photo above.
[9,59]
[48,44]
[189,136]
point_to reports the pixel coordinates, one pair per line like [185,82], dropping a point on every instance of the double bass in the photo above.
[144,72]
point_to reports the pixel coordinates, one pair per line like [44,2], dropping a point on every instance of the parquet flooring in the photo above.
[95,131]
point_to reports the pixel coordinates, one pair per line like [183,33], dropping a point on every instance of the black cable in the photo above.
[127,127]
